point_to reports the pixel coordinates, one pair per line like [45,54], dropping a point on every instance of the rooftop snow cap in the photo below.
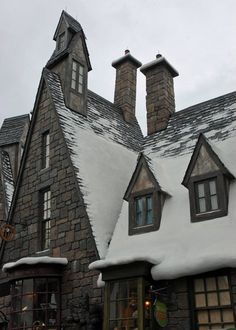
[125,87]
[160,99]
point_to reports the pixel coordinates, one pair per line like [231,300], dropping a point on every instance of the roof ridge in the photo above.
[204,102]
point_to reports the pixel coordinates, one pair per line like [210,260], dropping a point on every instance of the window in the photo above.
[77,77]
[61,41]
[143,211]
[35,302]
[45,150]
[212,301]
[130,305]
[208,196]
[45,208]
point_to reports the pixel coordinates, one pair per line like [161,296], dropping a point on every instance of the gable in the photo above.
[204,163]
[143,181]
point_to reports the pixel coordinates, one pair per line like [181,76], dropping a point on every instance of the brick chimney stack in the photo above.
[125,87]
[160,98]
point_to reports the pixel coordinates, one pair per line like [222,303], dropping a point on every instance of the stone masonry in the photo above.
[71,235]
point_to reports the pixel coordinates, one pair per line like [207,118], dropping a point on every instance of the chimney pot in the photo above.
[127,51]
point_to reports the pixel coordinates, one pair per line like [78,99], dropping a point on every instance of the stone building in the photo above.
[153,215]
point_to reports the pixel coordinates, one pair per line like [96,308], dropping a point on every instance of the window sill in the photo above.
[43,252]
[208,215]
[143,229]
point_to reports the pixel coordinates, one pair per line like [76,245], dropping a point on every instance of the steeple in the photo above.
[70,60]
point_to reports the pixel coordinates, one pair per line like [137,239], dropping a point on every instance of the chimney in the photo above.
[125,88]
[160,98]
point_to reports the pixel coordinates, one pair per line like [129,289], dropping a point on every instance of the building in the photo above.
[154,215]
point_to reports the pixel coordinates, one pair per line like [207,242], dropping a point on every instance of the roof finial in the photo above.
[127,51]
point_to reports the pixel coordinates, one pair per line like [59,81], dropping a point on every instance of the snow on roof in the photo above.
[102,152]
[7,178]
[35,261]
[180,247]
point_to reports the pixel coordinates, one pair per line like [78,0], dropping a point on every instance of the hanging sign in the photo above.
[160,313]
[7,232]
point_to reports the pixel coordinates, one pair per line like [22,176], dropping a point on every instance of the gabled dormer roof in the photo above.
[74,27]
[71,24]
[212,161]
[154,173]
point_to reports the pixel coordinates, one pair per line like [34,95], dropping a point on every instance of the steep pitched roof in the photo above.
[70,22]
[179,247]
[12,129]
[103,150]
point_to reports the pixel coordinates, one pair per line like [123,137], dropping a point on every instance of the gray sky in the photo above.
[197,38]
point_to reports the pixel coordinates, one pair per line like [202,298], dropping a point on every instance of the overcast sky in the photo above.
[196,36]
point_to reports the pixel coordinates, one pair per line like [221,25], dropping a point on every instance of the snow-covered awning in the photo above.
[35,261]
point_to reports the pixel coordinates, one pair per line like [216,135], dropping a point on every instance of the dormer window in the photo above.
[77,77]
[207,180]
[145,198]
[61,41]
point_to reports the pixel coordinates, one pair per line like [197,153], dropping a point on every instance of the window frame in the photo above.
[194,309]
[44,230]
[45,150]
[221,192]
[157,197]
[77,77]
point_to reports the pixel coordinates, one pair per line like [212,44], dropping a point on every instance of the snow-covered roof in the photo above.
[181,247]
[35,261]
[7,178]
[104,150]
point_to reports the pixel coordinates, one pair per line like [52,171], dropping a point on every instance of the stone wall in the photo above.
[70,229]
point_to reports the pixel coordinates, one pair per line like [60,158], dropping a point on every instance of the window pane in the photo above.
[81,70]
[212,299]
[215,316]
[202,205]
[199,285]
[201,191]
[200,300]
[214,202]
[73,75]
[73,84]
[224,298]
[80,88]
[139,211]
[81,80]
[223,282]
[74,65]
[202,317]
[211,284]
[228,315]
[149,211]
[212,185]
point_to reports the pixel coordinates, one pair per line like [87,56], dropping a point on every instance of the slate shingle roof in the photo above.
[214,118]
[12,129]
[7,178]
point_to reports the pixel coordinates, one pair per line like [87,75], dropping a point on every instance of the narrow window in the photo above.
[206,196]
[213,307]
[77,77]
[45,149]
[61,41]
[45,219]
[144,211]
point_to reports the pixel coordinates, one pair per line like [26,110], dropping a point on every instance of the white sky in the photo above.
[197,38]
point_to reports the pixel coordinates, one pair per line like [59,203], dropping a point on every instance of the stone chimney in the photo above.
[125,88]
[160,99]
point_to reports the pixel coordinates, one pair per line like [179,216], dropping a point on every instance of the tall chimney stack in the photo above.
[160,98]
[125,87]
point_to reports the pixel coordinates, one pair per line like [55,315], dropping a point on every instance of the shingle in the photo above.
[214,118]
[12,129]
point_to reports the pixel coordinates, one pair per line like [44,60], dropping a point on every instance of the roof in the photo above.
[70,22]
[98,145]
[7,178]
[180,247]
[12,129]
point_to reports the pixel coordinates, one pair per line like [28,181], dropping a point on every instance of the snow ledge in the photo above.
[35,261]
